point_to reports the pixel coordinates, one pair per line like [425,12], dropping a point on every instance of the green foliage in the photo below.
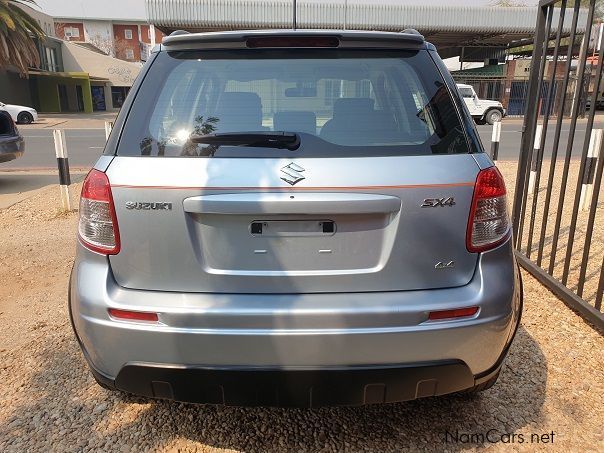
[17,32]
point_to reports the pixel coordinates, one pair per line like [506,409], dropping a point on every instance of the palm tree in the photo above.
[17,32]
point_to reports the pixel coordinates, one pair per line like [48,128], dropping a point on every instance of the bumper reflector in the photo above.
[451,314]
[128,315]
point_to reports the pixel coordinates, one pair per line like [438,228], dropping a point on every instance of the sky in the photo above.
[102,9]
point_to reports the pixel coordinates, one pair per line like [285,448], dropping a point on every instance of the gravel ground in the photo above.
[551,383]
[596,250]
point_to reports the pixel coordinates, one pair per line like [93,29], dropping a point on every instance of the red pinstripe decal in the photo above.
[405,186]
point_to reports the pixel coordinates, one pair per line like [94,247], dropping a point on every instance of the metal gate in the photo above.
[558,213]
[518,97]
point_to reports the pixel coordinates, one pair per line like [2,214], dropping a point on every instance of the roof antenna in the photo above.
[295,14]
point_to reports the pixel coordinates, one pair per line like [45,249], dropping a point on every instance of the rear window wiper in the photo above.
[265,139]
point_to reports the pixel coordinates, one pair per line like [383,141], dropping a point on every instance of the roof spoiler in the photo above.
[182,40]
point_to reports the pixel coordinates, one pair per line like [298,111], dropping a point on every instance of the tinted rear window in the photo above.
[341,103]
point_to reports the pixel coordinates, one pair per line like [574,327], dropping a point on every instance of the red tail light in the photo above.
[98,224]
[488,225]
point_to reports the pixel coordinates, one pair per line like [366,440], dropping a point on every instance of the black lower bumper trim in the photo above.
[295,388]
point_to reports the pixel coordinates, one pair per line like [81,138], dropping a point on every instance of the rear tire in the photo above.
[493,116]
[25,118]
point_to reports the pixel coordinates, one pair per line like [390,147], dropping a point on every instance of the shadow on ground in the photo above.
[12,183]
[65,408]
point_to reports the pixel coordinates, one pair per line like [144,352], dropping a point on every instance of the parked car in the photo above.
[12,144]
[599,101]
[298,218]
[482,110]
[20,113]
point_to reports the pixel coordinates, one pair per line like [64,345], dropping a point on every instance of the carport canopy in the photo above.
[482,32]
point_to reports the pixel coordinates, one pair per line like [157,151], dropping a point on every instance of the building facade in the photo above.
[127,41]
[508,84]
[72,76]
[86,64]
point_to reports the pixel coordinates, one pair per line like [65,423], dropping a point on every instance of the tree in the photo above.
[115,47]
[17,32]
[508,3]
[102,42]
[120,45]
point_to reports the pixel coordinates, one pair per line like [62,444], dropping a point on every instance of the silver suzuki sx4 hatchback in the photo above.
[294,218]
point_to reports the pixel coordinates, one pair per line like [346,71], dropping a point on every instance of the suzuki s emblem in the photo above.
[291,174]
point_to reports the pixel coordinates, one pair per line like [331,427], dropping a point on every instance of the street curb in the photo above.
[52,170]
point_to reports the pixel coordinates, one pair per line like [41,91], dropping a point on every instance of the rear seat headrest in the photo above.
[295,121]
[239,100]
[239,110]
[343,106]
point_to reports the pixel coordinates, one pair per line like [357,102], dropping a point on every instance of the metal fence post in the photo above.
[589,127]
[63,165]
[574,113]
[561,112]
[530,119]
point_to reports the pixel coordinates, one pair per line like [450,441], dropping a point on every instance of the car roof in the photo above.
[408,39]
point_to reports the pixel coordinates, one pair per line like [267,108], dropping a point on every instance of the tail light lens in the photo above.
[489,224]
[98,224]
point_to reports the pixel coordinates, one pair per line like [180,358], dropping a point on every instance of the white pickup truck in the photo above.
[482,110]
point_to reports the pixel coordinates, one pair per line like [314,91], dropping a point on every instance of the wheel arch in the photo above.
[493,107]
[24,112]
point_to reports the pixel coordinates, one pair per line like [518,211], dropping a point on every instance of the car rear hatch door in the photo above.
[240,226]
[373,195]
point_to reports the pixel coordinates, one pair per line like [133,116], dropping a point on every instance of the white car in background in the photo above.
[482,110]
[19,113]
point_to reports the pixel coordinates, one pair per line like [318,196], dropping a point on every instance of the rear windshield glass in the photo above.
[339,103]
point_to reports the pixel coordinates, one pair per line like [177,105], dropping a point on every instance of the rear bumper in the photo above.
[293,388]
[305,349]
